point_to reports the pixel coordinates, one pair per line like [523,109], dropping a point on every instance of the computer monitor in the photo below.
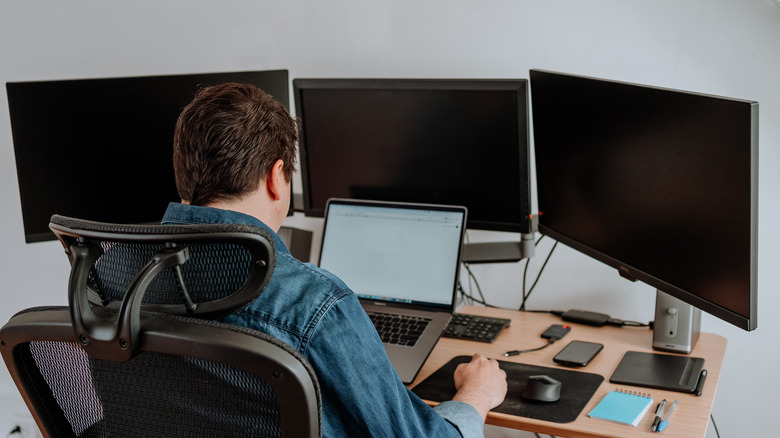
[439,141]
[660,184]
[101,149]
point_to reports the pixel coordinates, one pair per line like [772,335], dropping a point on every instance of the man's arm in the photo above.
[481,384]
[362,395]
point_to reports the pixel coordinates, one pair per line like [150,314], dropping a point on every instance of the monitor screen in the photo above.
[100,149]
[660,184]
[436,141]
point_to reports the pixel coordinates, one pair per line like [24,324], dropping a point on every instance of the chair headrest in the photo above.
[203,270]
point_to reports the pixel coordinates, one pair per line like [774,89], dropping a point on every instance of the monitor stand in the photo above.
[499,252]
[677,324]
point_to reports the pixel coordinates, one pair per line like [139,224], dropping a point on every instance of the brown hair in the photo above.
[226,141]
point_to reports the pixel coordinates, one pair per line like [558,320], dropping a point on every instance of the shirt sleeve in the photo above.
[463,416]
[361,393]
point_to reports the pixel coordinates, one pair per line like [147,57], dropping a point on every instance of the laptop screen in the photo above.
[402,253]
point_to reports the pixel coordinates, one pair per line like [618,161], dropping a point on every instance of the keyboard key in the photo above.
[399,329]
[475,328]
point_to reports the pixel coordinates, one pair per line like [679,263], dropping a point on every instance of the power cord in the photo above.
[579,316]
[516,352]
[623,323]
[467,295]
[526,294]
[552,334]
[471,299]
[715,426]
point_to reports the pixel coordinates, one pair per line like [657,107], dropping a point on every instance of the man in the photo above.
[234,156]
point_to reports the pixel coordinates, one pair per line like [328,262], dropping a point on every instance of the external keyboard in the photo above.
[475,328]
[398,329]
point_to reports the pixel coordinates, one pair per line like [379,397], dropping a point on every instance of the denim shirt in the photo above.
[313,311]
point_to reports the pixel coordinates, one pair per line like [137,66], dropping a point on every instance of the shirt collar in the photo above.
[178,214]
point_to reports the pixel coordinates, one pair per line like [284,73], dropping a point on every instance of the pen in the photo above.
[700,383]
[665,422]
[659,410]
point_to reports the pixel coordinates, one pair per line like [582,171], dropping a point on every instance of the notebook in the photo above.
[622,406]
[401,259]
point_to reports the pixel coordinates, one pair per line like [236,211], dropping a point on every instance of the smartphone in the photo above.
[577,353]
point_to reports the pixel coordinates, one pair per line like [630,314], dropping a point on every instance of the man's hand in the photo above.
[480,383]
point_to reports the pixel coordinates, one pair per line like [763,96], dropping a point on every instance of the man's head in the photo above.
[227,140]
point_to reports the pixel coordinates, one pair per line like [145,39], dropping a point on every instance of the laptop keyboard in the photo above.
[399,329]
[475,328]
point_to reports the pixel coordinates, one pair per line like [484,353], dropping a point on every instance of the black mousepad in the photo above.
[576,390]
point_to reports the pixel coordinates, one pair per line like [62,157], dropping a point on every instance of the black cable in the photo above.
[476,283]
[715,426]
[525,274]
[623,323]
[468,299]
[538,275]
[472,298]
[525,294]
[467,295]
[516,352]
[551,312]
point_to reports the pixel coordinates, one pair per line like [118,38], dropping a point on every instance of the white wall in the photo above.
[723,47]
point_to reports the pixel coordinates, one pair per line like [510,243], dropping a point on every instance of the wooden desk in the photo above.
[690,418]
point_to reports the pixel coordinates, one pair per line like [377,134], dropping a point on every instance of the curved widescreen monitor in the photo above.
[100,149]
[436,141]
[660,184]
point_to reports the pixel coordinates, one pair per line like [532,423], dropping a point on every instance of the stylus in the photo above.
[700,383]
[665,422]
[658,412]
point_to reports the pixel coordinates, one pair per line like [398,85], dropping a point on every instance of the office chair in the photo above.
[137,352]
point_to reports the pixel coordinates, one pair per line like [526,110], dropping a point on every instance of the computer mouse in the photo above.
[542,388]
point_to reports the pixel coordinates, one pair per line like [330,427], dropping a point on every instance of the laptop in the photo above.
[399,259]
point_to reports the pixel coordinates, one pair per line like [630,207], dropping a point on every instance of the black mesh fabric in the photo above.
[155,395]
[204,279]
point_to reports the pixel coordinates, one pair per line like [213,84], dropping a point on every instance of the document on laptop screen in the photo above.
[399,254]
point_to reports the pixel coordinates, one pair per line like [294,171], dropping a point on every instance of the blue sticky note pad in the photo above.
[622,407]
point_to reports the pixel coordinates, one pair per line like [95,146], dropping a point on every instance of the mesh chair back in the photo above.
[178,376]
[228,264]
[205,280]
